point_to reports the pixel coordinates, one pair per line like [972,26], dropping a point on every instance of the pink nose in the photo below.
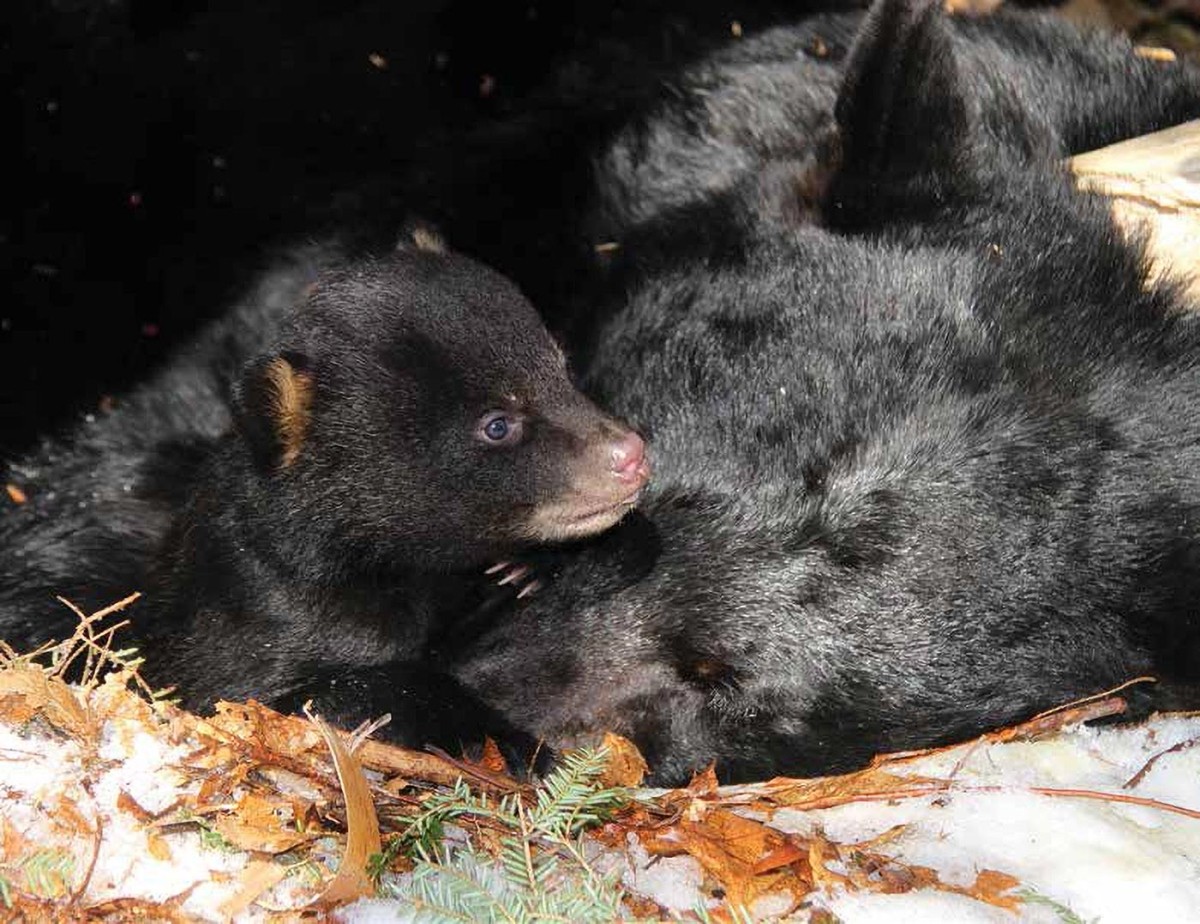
[629,458]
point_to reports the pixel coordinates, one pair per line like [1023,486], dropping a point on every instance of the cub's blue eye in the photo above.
[500,428]
[496,428]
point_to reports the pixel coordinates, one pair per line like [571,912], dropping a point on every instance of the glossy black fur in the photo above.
[927,448]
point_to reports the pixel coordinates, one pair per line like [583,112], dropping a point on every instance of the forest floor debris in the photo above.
[115,804]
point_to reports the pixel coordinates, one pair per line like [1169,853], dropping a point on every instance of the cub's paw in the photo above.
[428,708]
[518,575]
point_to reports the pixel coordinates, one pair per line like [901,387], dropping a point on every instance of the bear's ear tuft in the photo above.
[274,408]
[904,120]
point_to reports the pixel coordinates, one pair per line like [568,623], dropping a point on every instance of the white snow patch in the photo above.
[921,907]
[673,882]
[1105,860]
[40,774]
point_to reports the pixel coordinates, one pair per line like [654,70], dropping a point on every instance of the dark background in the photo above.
[163,146]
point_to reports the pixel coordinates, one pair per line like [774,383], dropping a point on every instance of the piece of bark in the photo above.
[1154,184]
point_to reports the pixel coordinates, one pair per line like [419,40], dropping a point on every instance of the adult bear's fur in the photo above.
[318,480]
[927,445]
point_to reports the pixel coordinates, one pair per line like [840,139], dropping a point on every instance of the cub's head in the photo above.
[418,413]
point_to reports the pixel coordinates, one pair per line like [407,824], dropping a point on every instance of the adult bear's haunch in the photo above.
[927,442]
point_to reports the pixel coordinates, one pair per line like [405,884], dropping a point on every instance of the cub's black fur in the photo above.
[926,441]
[320,479]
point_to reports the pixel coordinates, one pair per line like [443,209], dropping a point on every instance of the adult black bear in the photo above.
[927,442]
[321,478]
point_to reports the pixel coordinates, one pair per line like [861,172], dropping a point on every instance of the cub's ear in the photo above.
[903,114]
[273,408]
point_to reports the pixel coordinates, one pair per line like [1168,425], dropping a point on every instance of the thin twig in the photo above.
[1093,697]
[1134,780]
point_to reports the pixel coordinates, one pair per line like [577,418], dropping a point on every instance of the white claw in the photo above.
[513,576]
[529,588]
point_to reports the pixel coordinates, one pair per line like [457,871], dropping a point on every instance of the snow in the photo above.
[1046,812]
[49,784]
[1094,858]
[1104,860]
[672,882]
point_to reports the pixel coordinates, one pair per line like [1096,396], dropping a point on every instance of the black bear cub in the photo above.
[322,478]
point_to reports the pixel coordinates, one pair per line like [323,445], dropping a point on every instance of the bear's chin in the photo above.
[564,522]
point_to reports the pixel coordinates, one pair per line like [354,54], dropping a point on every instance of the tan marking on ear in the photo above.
[428,240]
[291,407]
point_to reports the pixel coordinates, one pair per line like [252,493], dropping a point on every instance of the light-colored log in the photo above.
[1154,183]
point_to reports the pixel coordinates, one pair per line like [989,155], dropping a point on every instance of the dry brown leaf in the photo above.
[642,909]
[112,699]
[625,765]
[255,879]
[491,759]
[13,843]
[260,824]
[158,847]
[995,888]
[123,910]
[730,848]
[396,785]
[126,803]
[820,851]
[264,728]
[362,825]
[873,872]
[785,855]
[259,811]
[65,814]
[26,691]
[870,784]
[704,781]
[251,837]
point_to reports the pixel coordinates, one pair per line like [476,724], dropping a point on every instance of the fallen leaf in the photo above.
[158,847]
[126,803]
[994,887]
[625,765]
[362,825]
[265,728]
[730,848]
[870,784]
[256,878]
[243,836]
[704,781]
[26,691]
[491,759]
[784,855]
[820,851]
